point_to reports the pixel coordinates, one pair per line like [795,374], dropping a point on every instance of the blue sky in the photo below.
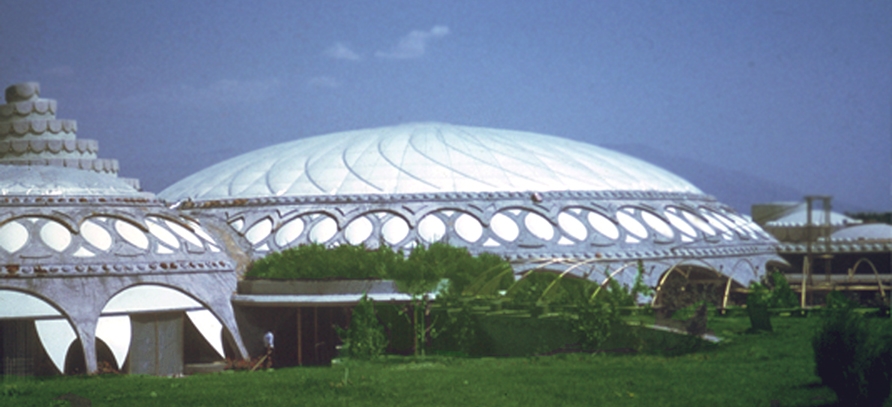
[796,92]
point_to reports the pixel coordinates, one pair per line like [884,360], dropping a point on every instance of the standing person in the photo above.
[269,344]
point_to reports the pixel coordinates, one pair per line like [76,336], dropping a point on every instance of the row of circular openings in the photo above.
[14,235]
[711,223]
[730,222]
[688,223]
[320,228]
[395,229]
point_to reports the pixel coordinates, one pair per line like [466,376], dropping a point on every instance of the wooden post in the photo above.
[802,288]
[725,297]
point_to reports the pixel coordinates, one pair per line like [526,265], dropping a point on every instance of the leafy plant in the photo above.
[593,322]
[11,390]
[364,338]
[757,307]
[597,313]
[418,274]
[422,273]
[460,331]
[838,301]
[426,268]
[315,261]
[782,296]
[854,358]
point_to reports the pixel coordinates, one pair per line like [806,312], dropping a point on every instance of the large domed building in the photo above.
[95,271]
[542,202]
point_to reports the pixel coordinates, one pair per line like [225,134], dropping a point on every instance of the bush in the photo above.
[364,338]
[782,296]
[836,300]
[315,261]
[593,322]
[757,308]
[458,330]
[420,272]
[853,356]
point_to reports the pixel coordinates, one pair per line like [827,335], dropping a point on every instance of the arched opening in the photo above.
[26,347]
[75,362]
[154,329]
[685,285]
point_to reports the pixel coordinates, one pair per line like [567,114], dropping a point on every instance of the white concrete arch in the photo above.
[53,327]
[114,324]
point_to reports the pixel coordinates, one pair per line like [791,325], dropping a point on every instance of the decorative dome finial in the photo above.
[21,92]
[30,134]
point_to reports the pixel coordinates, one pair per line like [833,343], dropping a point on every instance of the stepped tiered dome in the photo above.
[30,134]
[80,247]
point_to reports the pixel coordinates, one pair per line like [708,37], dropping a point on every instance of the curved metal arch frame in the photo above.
[675,268]
[854,268]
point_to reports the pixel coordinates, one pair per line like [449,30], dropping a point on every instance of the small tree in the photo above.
[364,338]
[418,276]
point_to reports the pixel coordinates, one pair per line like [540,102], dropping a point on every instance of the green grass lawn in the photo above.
[743,370]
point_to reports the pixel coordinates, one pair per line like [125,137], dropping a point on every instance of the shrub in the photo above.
[836,300]
[364,338]
[315,261]
[757,302]
[594,320]
[782,296]
[459,330]
[593,323]
[853,356]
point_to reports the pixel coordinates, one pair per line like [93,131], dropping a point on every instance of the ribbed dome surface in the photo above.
[424,158]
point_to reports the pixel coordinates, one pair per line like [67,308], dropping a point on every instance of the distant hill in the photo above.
[732,187]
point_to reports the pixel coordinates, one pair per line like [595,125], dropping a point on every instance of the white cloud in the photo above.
[340,51]
[324,82]
[414,44]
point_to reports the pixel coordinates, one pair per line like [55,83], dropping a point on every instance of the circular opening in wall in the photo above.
[631,224]
[658,224]
[538,226]
[603,225]
[504,227]
[289,232]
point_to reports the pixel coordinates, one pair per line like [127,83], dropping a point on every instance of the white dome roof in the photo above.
[871,231]
[424,158]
